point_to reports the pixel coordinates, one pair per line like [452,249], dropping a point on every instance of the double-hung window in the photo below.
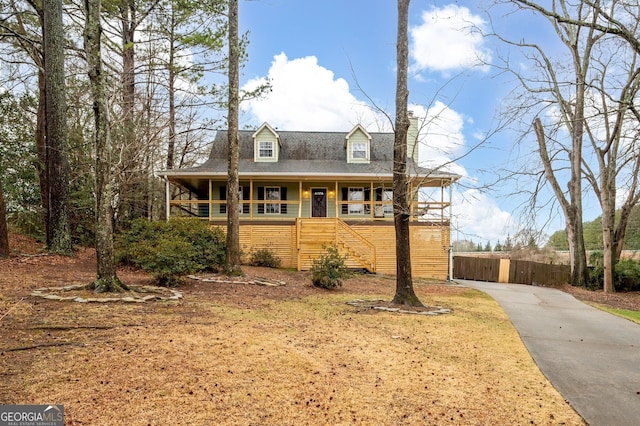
[356,194]
[387,196]
[272,193]
[359,150]
[265,149]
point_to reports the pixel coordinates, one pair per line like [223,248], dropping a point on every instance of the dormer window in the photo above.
[358,145]
[266,144]
[265,149]
[359,150]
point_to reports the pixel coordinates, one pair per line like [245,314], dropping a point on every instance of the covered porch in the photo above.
[262,198]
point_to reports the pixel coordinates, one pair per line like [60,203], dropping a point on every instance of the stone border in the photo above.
[374,304]
[49,294]
[238,280]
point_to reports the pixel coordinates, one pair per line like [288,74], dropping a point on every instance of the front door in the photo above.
[318,202]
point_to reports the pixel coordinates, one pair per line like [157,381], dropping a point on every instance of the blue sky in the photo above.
[330,61]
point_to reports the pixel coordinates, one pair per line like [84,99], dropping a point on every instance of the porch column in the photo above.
[210,201]
[167,198]
[299,198]
[336,202]
[372,204]
[450,240]
[250,199]
[411,201]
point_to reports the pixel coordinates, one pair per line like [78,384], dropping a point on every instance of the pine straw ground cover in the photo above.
[235,354]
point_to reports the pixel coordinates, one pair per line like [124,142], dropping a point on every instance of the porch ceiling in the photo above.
[199,182]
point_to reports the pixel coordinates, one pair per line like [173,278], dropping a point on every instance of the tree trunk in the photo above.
[405,294]
[573,221]
[4,231]
[621,227]
[171,145]
[608,205]
[579,270]
[56,129]
[233,266]
[107,279]
[41,148]
[40,135]
[134,192]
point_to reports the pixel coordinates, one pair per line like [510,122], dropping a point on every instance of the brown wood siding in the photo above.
[428,244]
[430,251]
[280,238]
[383,239]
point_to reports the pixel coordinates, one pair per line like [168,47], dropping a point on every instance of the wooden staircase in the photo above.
[314,234]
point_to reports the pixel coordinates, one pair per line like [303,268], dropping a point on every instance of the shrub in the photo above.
[328,270]
[265,257]
[626,275]
[172,249]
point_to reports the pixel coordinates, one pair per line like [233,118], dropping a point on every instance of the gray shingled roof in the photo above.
[328,146]
[304,154]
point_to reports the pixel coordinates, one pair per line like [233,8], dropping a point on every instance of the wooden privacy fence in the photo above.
[476,268]
[512,271]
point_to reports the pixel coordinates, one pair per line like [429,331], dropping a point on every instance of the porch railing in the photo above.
[355,243]
[432,211]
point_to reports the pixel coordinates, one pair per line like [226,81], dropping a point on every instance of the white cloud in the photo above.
[480,217]
[448,39]
[307,96]
[441,138]
[440,131]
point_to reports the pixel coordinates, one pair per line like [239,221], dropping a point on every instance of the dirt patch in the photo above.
[630,300]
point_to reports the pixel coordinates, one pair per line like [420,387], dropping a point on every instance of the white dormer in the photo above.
[266,144]
[358,145]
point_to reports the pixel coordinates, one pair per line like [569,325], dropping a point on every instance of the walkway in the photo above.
[591,357]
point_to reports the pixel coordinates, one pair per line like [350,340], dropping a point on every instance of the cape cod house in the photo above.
[300,191]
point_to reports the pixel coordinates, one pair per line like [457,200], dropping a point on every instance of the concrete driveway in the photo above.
[591,357]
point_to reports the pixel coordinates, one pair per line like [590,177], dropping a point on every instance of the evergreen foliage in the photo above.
[17,157]
[172,249]
[265,257]
[626,275]
[593,234]
[328,270]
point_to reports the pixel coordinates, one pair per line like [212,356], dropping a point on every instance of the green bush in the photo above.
[328,270]
[626,275]
[172,249]
[265,257]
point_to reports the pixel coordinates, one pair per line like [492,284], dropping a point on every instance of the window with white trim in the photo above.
[240,197]
[359,150]
[272,193]
[356,194]
[387,195]
[265,149]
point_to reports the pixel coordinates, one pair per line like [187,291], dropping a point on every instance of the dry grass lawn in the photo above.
[234,354]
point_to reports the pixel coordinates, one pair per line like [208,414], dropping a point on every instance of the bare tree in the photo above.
[233,218]
[405,294]
[600,114]
[124,19]
[557,94]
